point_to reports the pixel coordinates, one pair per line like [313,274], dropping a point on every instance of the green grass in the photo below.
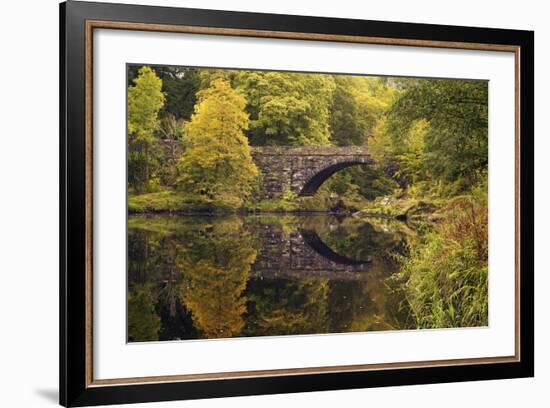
[169,224]
[447,285]
[445,278]
[173,201]
[272,205]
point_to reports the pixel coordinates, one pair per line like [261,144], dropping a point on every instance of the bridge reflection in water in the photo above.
[204,277]
[302,253]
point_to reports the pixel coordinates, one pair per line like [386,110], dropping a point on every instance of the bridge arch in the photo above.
[302,170]
[316,180]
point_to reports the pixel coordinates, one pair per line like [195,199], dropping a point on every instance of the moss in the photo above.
[164,224]
[271,205]
[173,201]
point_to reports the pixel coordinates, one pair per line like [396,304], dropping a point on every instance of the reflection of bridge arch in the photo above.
[301,253]
[315,242]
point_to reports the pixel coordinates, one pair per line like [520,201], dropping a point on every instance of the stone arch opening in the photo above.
[314,182]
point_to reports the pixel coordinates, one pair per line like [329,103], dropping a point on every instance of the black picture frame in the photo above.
[75,389]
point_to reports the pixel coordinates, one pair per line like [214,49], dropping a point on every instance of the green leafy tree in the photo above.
[145,100]
[410,154]
[344,126]
[217,164]
[288,109]
[358,104]
[180,85]
[455,142]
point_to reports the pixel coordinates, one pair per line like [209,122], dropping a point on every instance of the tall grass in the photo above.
[445,278]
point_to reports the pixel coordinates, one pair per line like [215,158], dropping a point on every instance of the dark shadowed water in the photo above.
[195,277]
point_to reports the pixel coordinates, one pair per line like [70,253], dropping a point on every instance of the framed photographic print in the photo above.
[256,203]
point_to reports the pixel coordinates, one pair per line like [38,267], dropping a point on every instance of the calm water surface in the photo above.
[194,277]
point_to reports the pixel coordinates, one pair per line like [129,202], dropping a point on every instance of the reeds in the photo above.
[445,279]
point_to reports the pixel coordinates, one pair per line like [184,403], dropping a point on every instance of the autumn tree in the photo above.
[145,100]
[217,164]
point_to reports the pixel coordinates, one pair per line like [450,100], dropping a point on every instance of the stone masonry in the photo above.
[302,170]
[291,255]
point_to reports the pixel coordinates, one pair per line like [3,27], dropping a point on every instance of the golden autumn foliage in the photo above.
[217,164]
[216,268]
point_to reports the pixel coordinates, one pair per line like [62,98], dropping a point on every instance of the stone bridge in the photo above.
[302,170]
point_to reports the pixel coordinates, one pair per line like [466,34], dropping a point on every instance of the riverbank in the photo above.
[403,207]
[170,201]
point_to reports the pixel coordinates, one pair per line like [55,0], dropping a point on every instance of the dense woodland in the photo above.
[428,138]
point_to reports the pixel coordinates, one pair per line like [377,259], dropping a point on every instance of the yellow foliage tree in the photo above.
[217,165]
[145,100]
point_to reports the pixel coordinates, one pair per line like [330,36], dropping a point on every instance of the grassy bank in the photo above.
[394,206]
[445,278]
[404,207]
[172,201]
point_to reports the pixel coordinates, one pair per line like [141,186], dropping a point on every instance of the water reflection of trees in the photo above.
[216,265]
[285,307]
[190,277]
[376,240]
[143,320]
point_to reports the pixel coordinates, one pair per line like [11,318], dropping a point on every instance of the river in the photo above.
[196,277]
